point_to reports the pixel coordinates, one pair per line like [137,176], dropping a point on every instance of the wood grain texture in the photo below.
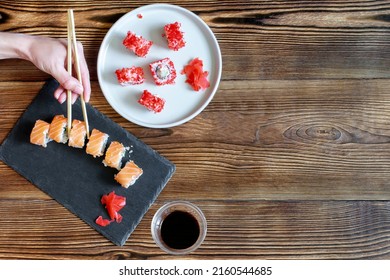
[268,230]
[289,161]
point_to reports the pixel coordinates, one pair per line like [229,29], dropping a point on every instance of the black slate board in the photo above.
[76,179]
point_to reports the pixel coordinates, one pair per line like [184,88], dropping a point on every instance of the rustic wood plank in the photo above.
[329,40]
[289,161]
[298,137]
[236,229]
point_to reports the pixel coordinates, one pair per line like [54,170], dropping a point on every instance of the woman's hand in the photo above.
[50,56]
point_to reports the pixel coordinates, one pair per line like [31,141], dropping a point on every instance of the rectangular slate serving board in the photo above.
[78,180]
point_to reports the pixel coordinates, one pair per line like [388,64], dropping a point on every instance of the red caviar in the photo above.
[152,102]
[130,76]
[175,36]
[139,45]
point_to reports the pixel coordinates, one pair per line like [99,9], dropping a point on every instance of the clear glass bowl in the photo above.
[164,212]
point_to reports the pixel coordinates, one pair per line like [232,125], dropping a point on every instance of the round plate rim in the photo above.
[215,47]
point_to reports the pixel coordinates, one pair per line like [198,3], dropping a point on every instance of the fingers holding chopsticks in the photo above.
[68,82]
[50,55]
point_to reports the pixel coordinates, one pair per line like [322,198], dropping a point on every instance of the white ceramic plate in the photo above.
[182,102]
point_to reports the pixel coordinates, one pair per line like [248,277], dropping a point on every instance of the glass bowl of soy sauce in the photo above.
[179,227]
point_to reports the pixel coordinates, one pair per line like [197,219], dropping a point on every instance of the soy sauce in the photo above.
[180,230]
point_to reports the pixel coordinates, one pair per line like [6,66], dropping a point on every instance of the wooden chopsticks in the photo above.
[72,44]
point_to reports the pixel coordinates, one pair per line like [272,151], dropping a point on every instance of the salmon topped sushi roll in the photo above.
[97,143]
[57,130]
[128,174]
[77,134]
[114,154]
[39,134]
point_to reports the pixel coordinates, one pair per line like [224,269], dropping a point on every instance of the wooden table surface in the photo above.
[290,160]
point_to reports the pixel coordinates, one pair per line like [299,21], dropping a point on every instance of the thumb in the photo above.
[68,82]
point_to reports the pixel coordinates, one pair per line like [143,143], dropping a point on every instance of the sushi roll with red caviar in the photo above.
[174,36]
[163,71]
[151,102]
[130,76]
[139,45]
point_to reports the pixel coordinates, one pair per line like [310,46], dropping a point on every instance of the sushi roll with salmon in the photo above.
[128,174]
[57,130]
[39,134]
[77,134]
[114,154]
[97,143]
